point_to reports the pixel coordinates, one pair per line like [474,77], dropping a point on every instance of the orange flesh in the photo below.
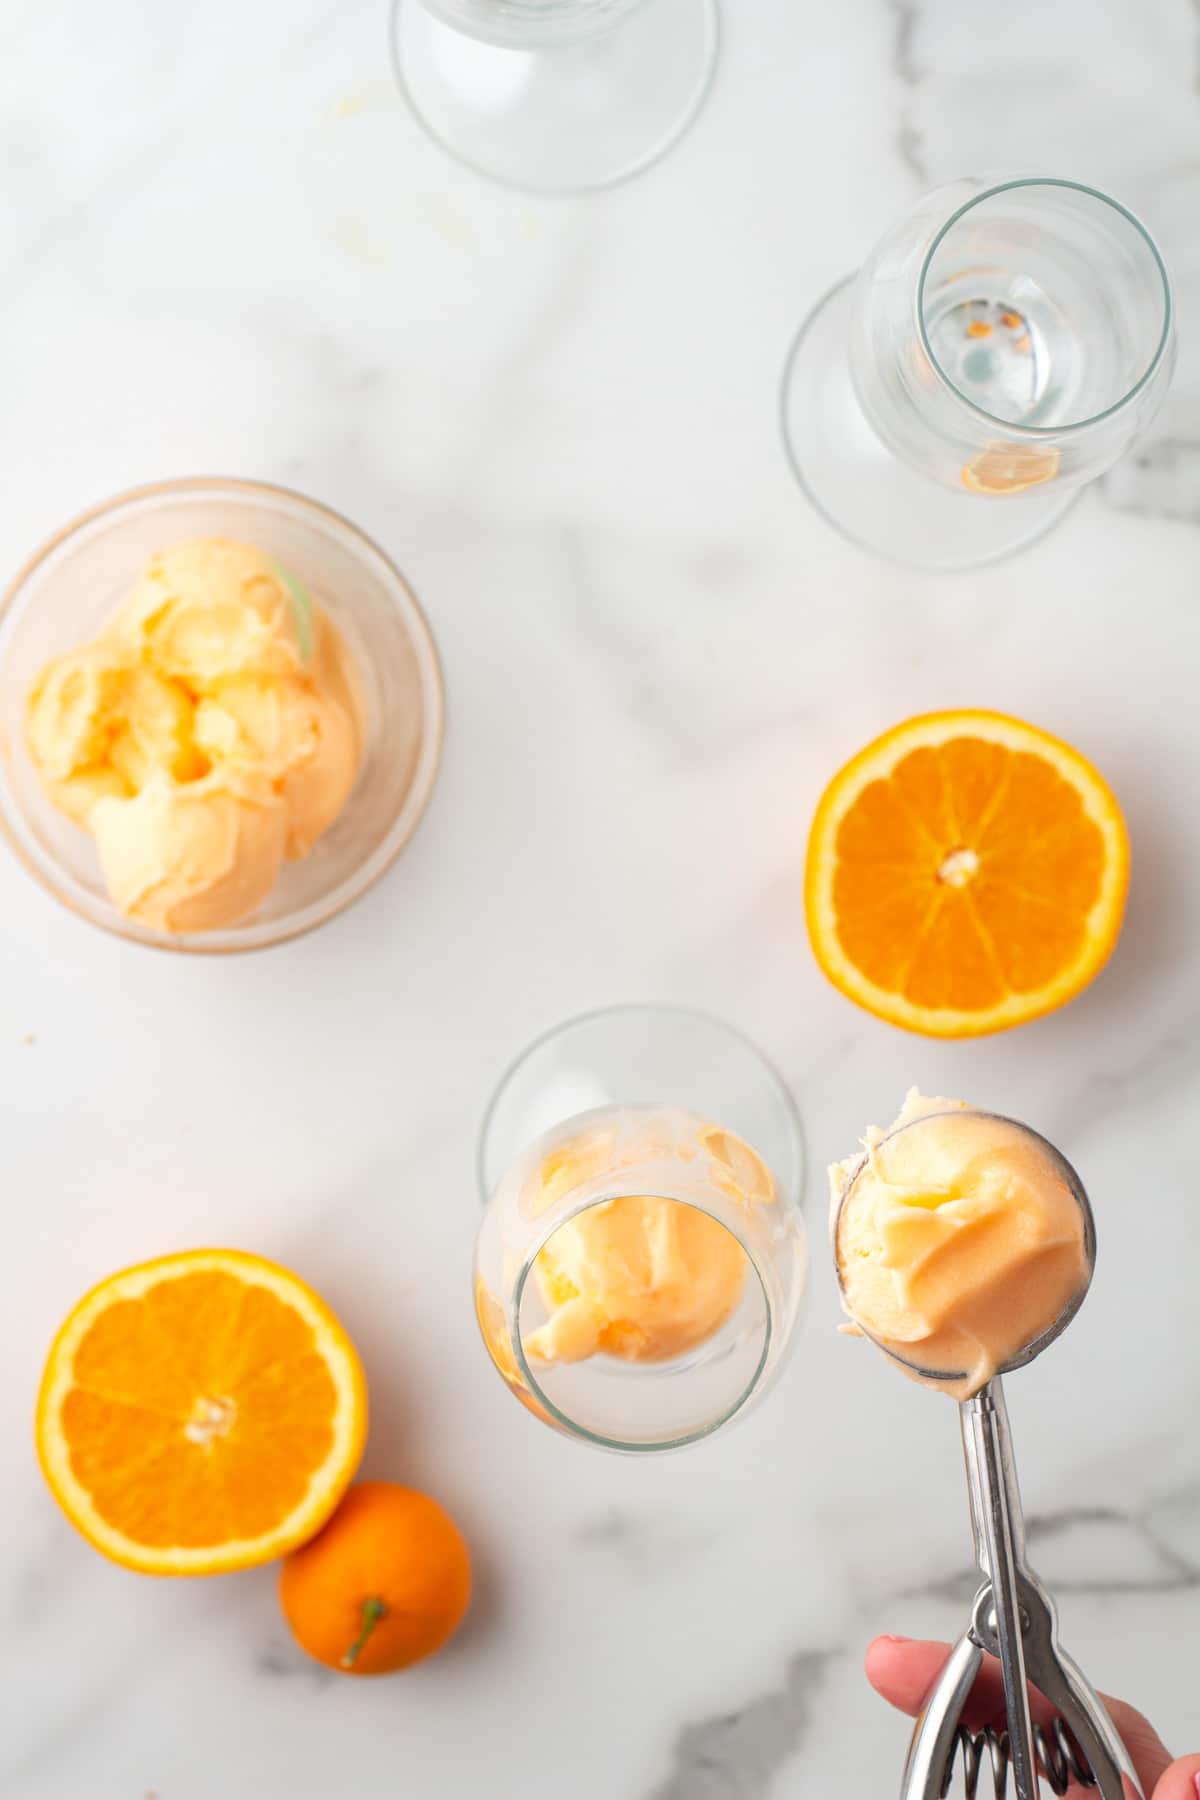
[198,1412]
[1014,923]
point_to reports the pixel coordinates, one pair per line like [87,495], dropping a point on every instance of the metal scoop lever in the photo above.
[1013,1619]
[999,1529]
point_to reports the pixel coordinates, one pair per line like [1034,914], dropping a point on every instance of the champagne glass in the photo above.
[629,1118]
[1001,347]
[555,96]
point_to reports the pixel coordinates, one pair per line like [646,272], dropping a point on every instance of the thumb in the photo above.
[1181,1781]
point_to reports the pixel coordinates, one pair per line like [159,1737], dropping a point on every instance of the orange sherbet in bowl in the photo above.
[208,734]
[220,715]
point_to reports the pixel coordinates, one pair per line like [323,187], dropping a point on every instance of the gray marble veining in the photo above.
[737,1757]
[226,247]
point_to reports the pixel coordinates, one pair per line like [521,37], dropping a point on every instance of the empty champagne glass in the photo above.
[1002,346]
[640,1266]
[555,96]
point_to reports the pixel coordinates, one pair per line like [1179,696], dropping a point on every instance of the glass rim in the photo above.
[1041,432]
[537,25]
[601,1439]
[607,11]
[793,1193]
[552,46]
[433,691]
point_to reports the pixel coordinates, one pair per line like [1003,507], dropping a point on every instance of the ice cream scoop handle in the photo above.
[1081,1709]
[999,1529]
[935,1735]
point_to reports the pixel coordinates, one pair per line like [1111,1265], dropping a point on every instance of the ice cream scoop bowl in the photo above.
[1057,1163]
[1014,1617]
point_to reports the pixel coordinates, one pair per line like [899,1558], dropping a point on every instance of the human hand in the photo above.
[904,1670]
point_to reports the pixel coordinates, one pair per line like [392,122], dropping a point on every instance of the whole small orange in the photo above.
[383,1586]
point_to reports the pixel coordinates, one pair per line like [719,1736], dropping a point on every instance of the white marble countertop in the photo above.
[226,248]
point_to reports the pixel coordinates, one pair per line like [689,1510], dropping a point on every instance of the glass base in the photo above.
[868,494]
[565,118]
[639,1055]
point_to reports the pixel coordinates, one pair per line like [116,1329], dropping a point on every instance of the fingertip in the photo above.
[903,1670]
[882,1655]
[1181,1781]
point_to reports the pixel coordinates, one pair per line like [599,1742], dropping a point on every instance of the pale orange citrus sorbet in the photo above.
[641,1277]
[208,736]
[958,1241]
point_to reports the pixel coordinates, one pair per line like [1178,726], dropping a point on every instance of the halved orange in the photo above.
[966,873]
[200,1413]
[1010,469]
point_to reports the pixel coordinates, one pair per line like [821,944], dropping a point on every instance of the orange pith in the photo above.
[200,1413]
[966,873]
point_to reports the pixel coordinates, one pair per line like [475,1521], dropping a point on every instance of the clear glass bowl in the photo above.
[66,594]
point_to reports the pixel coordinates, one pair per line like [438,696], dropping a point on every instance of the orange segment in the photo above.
[966,873]
[1009,468]
[200,1413]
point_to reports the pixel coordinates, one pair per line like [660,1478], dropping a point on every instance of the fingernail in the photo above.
[1196,1780]
[890,1639]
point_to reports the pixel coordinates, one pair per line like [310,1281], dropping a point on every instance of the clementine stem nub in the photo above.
[373,1610]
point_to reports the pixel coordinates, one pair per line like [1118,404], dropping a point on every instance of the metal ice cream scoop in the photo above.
[1014,1617]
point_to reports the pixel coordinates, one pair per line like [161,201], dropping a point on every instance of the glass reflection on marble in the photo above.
[555,96]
